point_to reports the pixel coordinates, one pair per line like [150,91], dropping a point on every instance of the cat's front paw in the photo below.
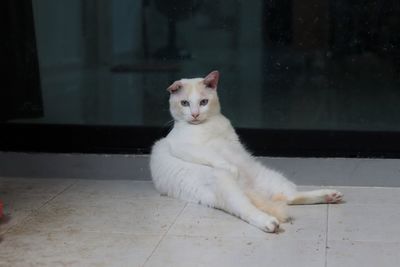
[231,169]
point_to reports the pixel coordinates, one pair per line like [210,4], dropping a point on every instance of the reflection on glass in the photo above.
[285,64]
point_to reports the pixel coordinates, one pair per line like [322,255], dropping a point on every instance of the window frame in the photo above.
[19,137]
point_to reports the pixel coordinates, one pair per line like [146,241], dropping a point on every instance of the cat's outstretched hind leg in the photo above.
[231,198]
[322,196]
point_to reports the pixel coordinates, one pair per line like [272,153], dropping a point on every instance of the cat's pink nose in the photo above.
[195,115]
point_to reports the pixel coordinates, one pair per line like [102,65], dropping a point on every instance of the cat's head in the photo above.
[194,100]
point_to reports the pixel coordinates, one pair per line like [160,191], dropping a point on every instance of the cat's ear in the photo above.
[175,87]
[211,80]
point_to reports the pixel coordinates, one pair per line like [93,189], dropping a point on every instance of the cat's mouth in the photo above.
[195,121]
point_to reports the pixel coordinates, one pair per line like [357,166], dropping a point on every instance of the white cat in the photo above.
[202,160]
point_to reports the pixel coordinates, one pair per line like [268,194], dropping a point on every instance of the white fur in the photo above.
[203,161]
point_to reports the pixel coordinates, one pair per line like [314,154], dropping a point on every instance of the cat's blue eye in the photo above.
[203,102]
[185,103]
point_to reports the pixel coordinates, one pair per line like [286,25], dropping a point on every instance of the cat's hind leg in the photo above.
[231,198]
[280,188]
[321,196]
[275,208]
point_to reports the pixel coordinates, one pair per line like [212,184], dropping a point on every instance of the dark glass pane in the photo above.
[284,64]
[20,95]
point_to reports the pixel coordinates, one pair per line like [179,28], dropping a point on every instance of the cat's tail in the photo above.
[278,209]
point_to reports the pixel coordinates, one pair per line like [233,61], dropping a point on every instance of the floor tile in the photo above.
[29,247]
[103,214]
[363,254]
[356,222]
[22,196]
[370,195]
[236,251]
[114,188]
[29,194]
[11,219]
[128,223]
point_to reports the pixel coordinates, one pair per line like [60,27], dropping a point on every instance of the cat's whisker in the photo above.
[169,123]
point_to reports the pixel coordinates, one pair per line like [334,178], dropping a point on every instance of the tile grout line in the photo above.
[326,235]
[58,194]
[41,206]
[164,235]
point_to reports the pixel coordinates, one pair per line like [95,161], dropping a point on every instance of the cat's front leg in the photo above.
[224,165]
[201,155]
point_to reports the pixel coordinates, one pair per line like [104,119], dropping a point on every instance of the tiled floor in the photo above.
[63,222]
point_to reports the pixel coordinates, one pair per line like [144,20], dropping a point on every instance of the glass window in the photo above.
[284,64]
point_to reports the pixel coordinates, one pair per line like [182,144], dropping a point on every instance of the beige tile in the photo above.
[11,219]
[80,212]
[371,195]
[21,197]
[357,222]
[120,223]
[114,188]
[29,194]
[29,247]
[363,254]
[217,251]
